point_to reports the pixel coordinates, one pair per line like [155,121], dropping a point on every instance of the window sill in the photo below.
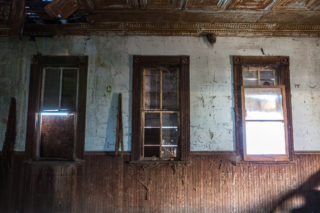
[55,162]
[159,162]
[288,162]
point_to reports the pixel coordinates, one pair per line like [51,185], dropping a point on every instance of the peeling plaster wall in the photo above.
[14,81]
[110,63]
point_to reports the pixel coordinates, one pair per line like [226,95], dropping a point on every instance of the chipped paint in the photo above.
[211,93]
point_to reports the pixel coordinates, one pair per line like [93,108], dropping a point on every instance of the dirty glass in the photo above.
[250,78]
[69,89]
[263,104]
[267,77]
[51,91]
[170,135]
[152,88]
[170,88]
[260,75]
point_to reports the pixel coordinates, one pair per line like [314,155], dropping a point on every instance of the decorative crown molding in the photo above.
[174,29]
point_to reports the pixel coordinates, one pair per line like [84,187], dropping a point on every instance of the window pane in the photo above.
[51,89]
[263,104]
[152,135]
[57,136]
[267,77]
[152,89]
[250,78]
[170,88]
[170,135]
[265,138]
[260,75]
[69,89]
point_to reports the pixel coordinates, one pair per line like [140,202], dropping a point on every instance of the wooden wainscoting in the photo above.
[210,183]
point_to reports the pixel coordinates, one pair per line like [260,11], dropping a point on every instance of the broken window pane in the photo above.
[263,138]
[152,135]
[152,88]
[170,135]
[263,104]
[57,136]
[170,88]
[69,89]
[51,92]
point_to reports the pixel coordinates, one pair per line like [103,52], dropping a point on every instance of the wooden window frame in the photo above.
[284,75]
[35,92]
[139,64]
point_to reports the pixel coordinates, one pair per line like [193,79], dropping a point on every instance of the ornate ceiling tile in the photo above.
[203,5]
[141,4]
[103,4]
[297,5]
[250,4]
[161,4]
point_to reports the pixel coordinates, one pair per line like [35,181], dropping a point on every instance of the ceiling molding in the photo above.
[220,29]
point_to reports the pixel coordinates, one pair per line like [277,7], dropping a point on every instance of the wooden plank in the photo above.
[61,9]
[119,130]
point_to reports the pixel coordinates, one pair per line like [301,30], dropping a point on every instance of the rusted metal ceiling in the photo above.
[290,16]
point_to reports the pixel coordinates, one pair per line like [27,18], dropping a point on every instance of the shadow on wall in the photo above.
[304,199]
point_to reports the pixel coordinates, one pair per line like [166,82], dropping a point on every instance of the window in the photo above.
[160,123]
[56,114]
[263,108]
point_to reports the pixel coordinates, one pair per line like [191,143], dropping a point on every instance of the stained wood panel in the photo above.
[211,183]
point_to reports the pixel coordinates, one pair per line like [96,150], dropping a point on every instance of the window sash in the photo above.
[265,157]
[160,111]
[60,92]
[161,145]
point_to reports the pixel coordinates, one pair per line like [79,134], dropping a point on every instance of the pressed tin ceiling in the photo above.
[179,17]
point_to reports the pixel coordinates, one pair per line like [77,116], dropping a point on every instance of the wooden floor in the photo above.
[210,183]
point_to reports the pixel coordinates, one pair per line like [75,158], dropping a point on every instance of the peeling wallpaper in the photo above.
[211,101]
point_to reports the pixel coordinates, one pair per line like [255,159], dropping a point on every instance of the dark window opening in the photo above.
[56,119]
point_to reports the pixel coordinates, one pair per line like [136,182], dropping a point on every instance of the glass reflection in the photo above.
[263,104]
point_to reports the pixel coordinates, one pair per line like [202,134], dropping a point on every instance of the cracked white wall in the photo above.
[212,118]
